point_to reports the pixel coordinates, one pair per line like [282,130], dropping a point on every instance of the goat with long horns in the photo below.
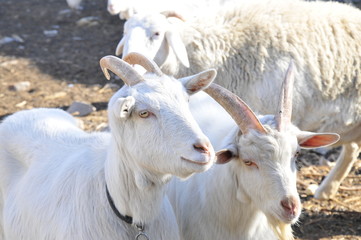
[254,195]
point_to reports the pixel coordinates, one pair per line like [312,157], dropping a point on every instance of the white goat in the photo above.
[59,182]
[254,196]
[250,45]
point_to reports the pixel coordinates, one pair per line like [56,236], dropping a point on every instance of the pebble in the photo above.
[80,109]
[311,189]
[50,33]
[56,95]
[87,21]
[21,104]
[13,38]
[20,86]
[103,127]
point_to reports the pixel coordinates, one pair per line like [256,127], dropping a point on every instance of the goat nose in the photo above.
[290,205]
[202,147]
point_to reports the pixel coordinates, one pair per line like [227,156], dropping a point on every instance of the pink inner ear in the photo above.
[319,140]
[223,156]
[202,83]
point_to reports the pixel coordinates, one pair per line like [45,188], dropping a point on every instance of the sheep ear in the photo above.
[123,107]
[198,82]
[224,156]
[175,42]
[119,49]
[310,140]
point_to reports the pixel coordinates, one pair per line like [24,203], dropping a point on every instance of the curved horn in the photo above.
[168,14]
[149,65]
[283,117]
[122,69]
[241,113]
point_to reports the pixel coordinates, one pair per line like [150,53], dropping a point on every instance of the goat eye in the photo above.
[249,163]
[156,34]
[144,114]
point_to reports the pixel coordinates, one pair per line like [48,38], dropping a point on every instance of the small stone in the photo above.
[87,21]
[80,109]
[56,95]
[17,38]
[113,86]
[20,86]
[50,33]
[21,104]
[311,189]
[103,127]
[6,40]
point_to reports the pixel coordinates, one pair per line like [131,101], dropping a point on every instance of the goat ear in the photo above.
[198,82]
[224,156]
[119,49]
[175,42]
[310,140]
[123,107]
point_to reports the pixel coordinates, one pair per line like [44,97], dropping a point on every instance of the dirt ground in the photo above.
[57,51]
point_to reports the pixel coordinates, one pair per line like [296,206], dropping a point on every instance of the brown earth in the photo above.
[62,67]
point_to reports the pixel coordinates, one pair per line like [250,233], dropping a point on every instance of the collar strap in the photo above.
[125,218]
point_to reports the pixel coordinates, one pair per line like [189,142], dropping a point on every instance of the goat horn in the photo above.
[122,69]
[168,14]
[241,113]
[285,103]
[149,65]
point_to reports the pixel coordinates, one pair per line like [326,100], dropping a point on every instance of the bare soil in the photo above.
[57,51]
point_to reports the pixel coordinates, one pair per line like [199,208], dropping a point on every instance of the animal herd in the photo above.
[205,132]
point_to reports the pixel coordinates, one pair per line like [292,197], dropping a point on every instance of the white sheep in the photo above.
[59,182]
[188,8]
[250,46]
[254,196]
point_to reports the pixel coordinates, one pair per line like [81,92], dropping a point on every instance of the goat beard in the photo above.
[282,230]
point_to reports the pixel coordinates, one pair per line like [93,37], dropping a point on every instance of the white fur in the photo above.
[188,8]
[235,201]
[53,175]
[250,45]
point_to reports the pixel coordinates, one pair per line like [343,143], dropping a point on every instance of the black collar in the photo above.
[125,218]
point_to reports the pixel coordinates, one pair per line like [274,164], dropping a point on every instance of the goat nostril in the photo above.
[290,205]
[286,205]
[201,148]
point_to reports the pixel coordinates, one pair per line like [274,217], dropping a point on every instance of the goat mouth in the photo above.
[286,218]
[290,218]
[195,162]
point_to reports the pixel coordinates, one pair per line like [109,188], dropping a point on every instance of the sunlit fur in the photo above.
[251,44]
[235,201]
[53,174]
[189,8]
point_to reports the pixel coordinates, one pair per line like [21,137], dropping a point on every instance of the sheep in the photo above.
[59,182]
[250,46]
[254,196]
[188,8]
